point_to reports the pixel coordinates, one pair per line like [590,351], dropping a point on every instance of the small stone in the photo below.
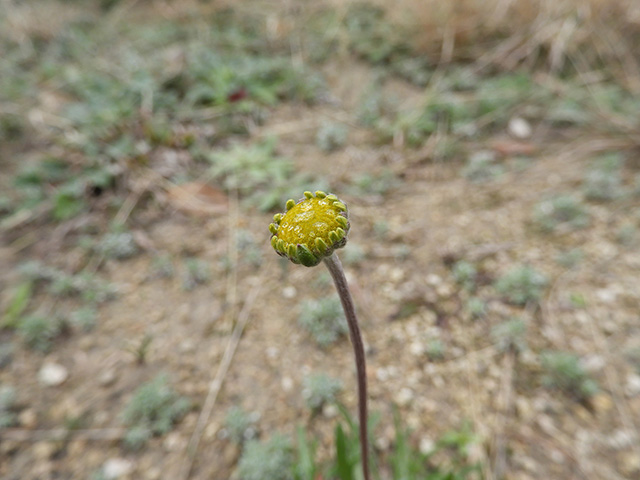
[607,295]
[86,343]
[396,274]
[52,374]
[427,445]
[557,456]
[609,327]
[444,290]
[434,280]
[428,405]
[44,450]
[382,444]
[630,463]
[213,429]
[329,410]
[404,397]
[519,128]
[602,403]
[28,418]
[106,378]
[622,438]
[413,421]
[545,422]
[582,413]
[173,442]
[116,468]
[230,454]
[382,374]
[632,388]
[438,381]
[187,346]
[414,379]
[524,408]
[529,358]
[528,463]
[543,404]
[101,418]
[153,474]
[287,384]
[289,292]
[593,363]
[413,329]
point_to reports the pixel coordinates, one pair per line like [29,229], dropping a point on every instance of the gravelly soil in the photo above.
[406,296]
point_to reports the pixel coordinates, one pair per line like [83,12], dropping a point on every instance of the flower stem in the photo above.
[335,268]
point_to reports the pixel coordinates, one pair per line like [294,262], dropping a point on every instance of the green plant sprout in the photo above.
[153,410]
[307,233]
[272,459]
[323,319]
[8,417]
[239,426]
[563,371]
[320,389]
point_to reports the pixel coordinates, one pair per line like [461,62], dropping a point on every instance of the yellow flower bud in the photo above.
[310,229]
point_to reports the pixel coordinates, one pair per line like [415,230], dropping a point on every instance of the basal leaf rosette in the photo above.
[310,229]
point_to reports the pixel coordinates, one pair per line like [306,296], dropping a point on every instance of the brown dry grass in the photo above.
[581,35]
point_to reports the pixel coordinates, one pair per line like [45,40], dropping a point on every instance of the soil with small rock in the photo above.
[406,296]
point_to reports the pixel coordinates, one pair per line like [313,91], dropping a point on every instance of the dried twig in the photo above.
[216,384]
[54,434]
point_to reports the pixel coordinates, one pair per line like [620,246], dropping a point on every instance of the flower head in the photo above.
[310,229]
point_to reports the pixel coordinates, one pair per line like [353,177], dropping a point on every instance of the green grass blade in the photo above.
[17,305]
[344,469]
[306,468]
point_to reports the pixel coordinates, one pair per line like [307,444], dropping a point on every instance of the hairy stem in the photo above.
[335,268]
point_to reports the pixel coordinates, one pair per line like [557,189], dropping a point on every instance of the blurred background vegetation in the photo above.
[488,152]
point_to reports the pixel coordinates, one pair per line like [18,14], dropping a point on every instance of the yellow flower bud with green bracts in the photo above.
[310,229]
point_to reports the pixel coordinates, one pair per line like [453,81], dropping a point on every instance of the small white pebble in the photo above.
[108,377]
[289,292]
[287,384]
[52,374]
[434,280]
[593,363]
[427,445]
[382,444]
[633,385]
[329,410]
[396,274]
[417,349]
[557,456]
[546,424]
[116,468]
[519,128]
[621,439]
[382,374]
[404,397]
[607,295]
